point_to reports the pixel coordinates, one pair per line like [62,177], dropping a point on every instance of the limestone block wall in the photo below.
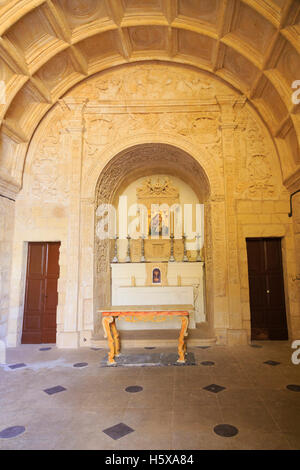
[7,209]
[295,280]
[269,219]
[125,110]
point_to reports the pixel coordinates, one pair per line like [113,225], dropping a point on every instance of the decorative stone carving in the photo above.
[106,128]
[139,83]
[47,169]
[162,189]
[256,175]
[260,176]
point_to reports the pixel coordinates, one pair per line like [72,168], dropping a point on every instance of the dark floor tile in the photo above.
[133,389]
[53,390]
[293,388]
[226,430]
[214,388]
[272,363]
[17,366]
[118,431]
[10,432]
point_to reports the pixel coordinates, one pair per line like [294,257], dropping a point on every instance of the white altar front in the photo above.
[181,286]
[153,296]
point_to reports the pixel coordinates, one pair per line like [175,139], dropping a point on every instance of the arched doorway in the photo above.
[134,164]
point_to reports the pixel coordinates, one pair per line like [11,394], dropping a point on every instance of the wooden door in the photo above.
[267,299]
[39,323]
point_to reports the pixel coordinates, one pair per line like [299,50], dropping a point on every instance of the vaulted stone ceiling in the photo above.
[47,46]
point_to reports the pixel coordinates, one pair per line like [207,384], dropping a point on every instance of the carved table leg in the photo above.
[116,338]
[181,343]
[107,334]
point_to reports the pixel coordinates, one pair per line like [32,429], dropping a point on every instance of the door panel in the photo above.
[34,294]
[36,260]
[51,296]
[52,260]
[267,299]
[39,324]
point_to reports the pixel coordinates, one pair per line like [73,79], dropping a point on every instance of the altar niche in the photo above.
[158,219]
[156,276]
[157,257]
[175,184]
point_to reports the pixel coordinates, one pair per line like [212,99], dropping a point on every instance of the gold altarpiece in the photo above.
[162,200]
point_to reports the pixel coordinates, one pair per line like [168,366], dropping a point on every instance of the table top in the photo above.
[148,308]
[136,313]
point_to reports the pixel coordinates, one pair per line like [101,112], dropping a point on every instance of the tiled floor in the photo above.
[47,403]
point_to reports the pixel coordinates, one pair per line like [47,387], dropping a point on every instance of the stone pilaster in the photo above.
[228,126]
[68,330]
[7,215]
[86,280]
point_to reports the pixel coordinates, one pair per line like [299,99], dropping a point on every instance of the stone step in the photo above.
[157,338]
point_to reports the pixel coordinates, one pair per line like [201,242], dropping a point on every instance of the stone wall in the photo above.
[295,280]
[205,130]
[7,209]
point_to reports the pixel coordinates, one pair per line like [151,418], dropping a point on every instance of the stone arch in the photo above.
[199,156]
[135,160]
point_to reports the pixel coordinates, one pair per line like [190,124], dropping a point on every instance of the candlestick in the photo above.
[115,259]
[143,259]
[172,259]
[128,258]
[185,258]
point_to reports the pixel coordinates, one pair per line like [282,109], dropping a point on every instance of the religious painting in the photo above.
[156,276]
[155,224]
[158,195]
[160,222]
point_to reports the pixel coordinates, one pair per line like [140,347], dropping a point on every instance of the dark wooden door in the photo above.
[39,323]
[267,300]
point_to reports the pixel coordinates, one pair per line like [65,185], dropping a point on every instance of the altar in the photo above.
[111,332]
[157,254]
[181,286]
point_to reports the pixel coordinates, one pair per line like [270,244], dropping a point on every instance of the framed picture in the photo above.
[156,276]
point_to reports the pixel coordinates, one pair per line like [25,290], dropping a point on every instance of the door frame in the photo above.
[284,276]
[23,289]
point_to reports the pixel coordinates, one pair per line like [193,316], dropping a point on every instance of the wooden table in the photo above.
[112,334]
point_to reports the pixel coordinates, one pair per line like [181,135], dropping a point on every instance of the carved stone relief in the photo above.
[257,179]
[140,83]
[102,130]
[48,169]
